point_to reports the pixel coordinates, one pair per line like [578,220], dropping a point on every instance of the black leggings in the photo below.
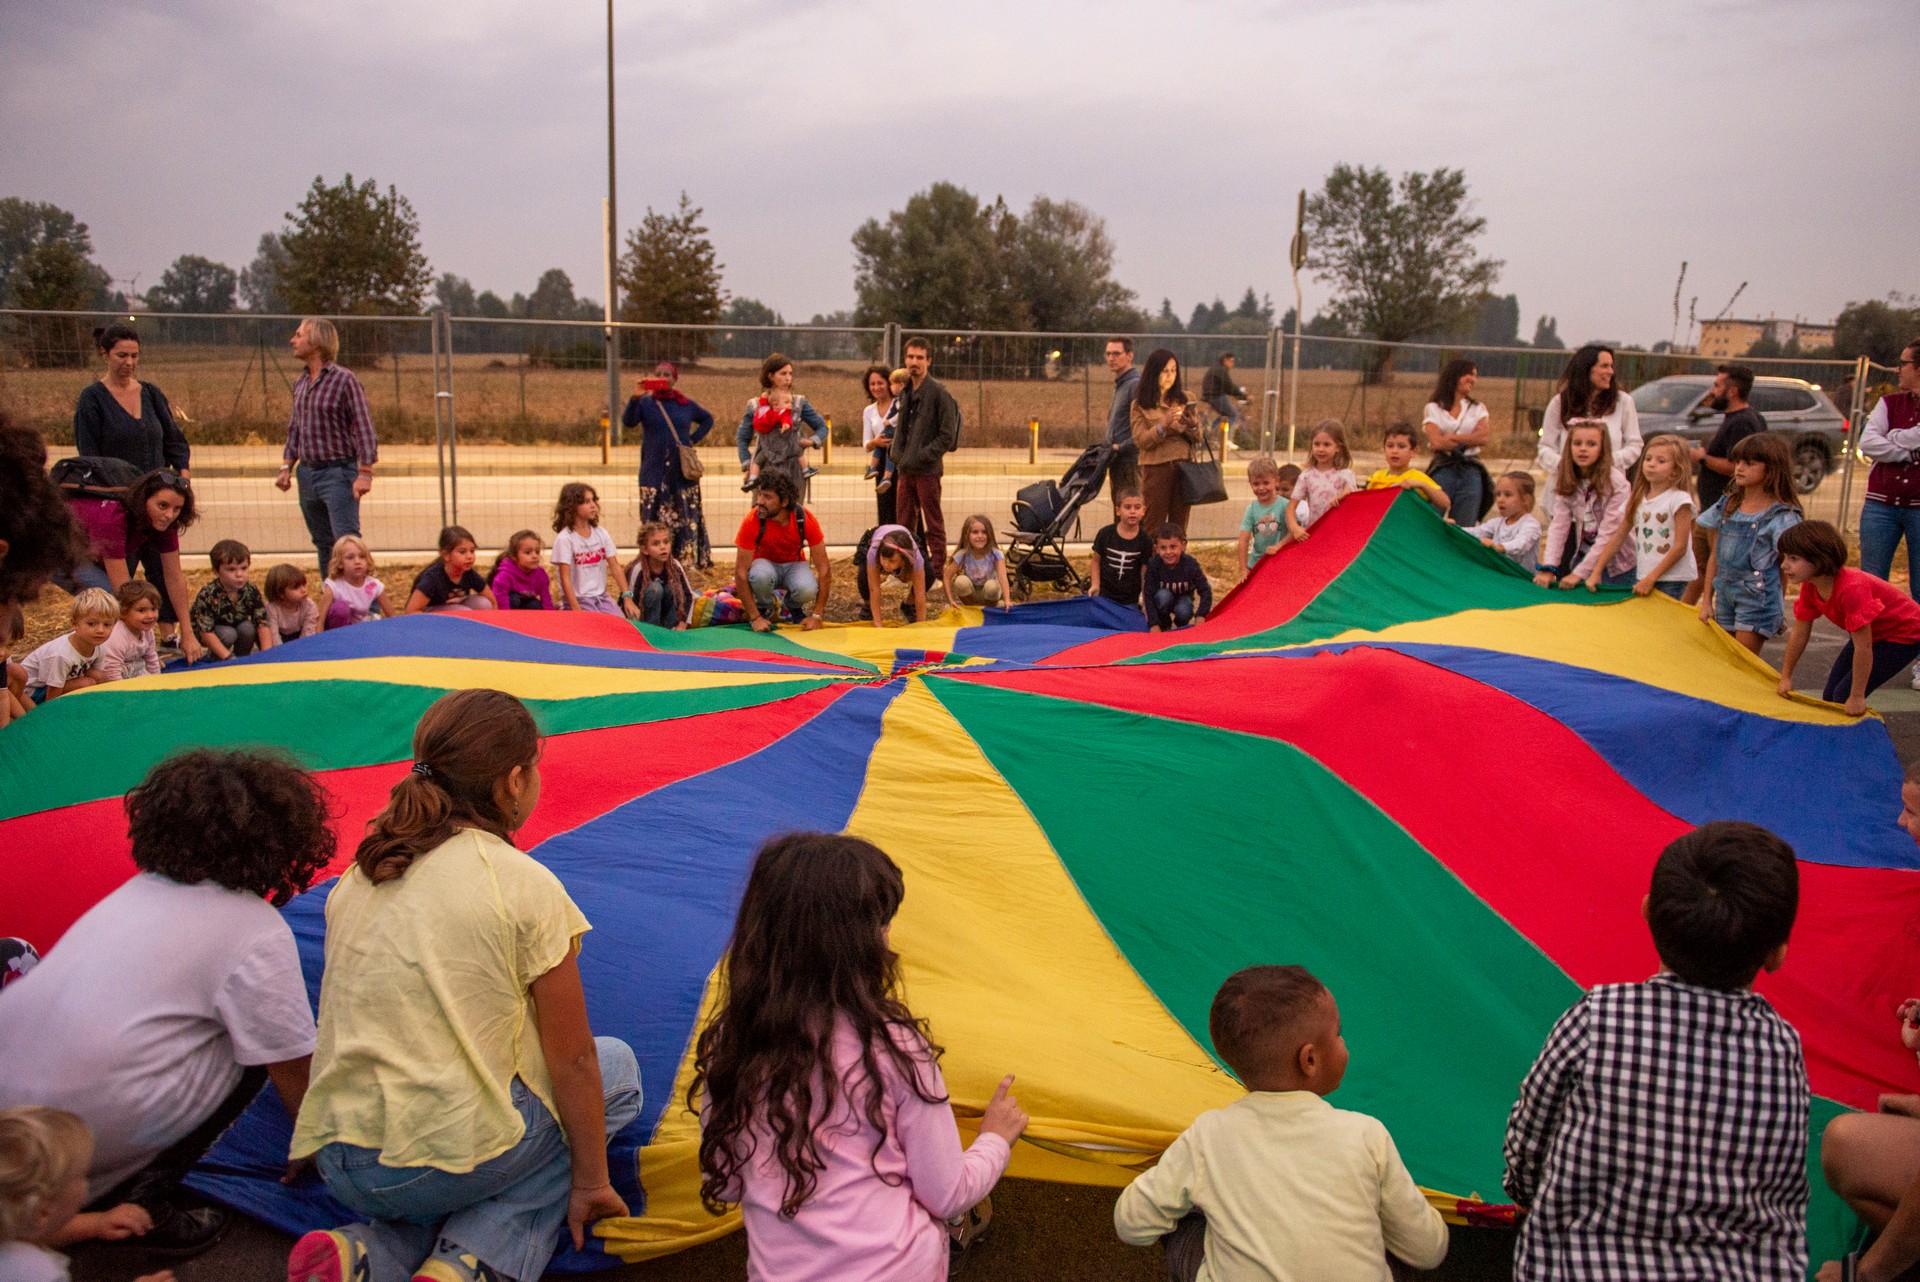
[151,1186]
[1888,658]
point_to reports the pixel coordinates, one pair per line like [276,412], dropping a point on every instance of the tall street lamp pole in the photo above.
[612,255]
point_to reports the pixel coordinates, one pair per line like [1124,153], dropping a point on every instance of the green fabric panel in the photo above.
[1444,1004]
[84,748]
[740,636]
[1831,1223]
[1415,567]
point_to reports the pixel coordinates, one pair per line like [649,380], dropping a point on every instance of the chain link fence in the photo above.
[481,420]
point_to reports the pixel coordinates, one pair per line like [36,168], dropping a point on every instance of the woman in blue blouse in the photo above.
[668,420]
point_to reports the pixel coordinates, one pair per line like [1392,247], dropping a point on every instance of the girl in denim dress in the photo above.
[1744,593]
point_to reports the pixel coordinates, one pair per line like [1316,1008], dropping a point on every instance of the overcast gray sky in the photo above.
[1763,140]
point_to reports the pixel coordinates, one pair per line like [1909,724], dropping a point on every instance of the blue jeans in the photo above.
[802,589]
[657,605]
[508,1211]
[327,501]
[1170,611]
[1462,481]
[1881,529]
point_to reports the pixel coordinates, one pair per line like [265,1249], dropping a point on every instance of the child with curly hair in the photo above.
[584,556]
[163,1010]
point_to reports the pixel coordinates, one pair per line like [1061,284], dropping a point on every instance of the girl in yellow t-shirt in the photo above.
[454,1058]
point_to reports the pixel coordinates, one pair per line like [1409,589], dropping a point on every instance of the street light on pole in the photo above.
[612,222]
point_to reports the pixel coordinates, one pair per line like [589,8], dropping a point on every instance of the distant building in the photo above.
[1724,339]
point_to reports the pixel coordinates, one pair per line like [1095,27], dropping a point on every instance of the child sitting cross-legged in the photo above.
[1662,1132]
[1397,447]
[130,650]
[70,661]
[1288,1185]
[517,580]
[351,594]
[1882,623]
[229,615]
[450,583]
[43,1182]
[1173,586]
[1511,528]
[291,610]
[660,583]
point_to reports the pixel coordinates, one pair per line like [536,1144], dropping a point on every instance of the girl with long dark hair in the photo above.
[823,1111]
[143,524]
[1589,392]
[1456,426]
[1165,430]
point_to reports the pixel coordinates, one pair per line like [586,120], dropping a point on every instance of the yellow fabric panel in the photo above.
[670,1172]
[1654,640]
[877,645]
[523,680]
[1012,970]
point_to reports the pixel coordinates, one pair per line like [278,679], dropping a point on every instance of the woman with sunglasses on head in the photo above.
[122,533]
[122,416]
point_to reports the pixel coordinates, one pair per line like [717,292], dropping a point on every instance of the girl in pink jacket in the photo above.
[1589,503]
[823,1112]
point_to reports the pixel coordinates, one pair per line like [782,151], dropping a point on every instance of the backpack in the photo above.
[92,476]
[800,524]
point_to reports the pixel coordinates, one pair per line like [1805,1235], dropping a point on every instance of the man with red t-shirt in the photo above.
[772,552]
[1882,623]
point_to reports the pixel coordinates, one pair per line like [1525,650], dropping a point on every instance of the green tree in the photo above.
[1167,322]
[750,311]
[352,250]
[1546,334]
[552,298]
[454,294]
[1401,259]
[194,284]
[491,305]
[33,228]
[55,276]
[670,272]
[1878,329]
[935,263]
[1498,324]
[260,280]
[1059,266]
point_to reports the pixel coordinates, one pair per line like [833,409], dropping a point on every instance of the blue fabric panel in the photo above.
[1036,630]
[451,637]
[660,878]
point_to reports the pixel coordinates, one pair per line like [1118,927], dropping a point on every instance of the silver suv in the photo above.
[1677,404]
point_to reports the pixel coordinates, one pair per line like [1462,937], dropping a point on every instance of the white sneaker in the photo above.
[1915,683]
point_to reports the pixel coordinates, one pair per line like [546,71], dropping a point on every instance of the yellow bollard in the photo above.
[606,439]
[1033,444]
[826,446]
[1223,442]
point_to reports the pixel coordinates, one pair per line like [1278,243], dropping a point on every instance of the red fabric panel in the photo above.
[1278,589]
[1554,840]
[575,627]
[59,863]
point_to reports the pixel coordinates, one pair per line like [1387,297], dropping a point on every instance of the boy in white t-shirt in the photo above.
[163,1010]
[1288,1184]
[66,663]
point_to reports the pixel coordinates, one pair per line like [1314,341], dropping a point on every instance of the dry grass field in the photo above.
[225,396]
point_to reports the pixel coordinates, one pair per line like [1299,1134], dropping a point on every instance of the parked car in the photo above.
[1677,404]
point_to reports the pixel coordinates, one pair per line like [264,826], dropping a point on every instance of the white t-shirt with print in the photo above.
[588,557]
[140,1019]
[56,663]
[1653,537]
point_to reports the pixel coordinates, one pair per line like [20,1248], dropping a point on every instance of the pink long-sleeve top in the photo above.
[1586,511]
[512,577]
[875,1216]
[127,653]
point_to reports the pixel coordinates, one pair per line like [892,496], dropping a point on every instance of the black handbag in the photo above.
[1200,481]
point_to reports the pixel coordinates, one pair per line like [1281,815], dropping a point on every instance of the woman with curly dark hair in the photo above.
[162,1011]
[458,1099]
[823,1111]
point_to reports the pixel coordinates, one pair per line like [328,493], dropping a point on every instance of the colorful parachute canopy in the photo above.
[1389,757]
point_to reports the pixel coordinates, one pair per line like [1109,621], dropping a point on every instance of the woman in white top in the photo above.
[1589,393]
[1457,426]
[878,385]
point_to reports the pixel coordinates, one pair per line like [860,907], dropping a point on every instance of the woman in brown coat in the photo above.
[1165,430]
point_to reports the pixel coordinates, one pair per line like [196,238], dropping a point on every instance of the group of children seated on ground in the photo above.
[453,1096]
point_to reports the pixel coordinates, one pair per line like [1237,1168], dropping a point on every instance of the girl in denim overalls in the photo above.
[1743,575]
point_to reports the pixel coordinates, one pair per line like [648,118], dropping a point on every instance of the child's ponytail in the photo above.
[464,745]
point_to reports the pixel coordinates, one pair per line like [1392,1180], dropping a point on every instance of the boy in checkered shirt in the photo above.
[1662,1133]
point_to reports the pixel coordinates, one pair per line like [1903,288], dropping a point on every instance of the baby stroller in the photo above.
[1042,514]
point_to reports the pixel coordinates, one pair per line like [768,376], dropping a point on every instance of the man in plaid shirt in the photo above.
[330,436]
[1662,1133]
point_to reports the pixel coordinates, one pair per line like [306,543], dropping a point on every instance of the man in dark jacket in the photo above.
[929,430]
[1220,391]
[1124,471]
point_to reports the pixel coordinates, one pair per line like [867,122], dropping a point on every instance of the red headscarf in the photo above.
[670,393]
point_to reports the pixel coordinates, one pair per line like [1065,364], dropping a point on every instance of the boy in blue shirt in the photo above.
[1263,530]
